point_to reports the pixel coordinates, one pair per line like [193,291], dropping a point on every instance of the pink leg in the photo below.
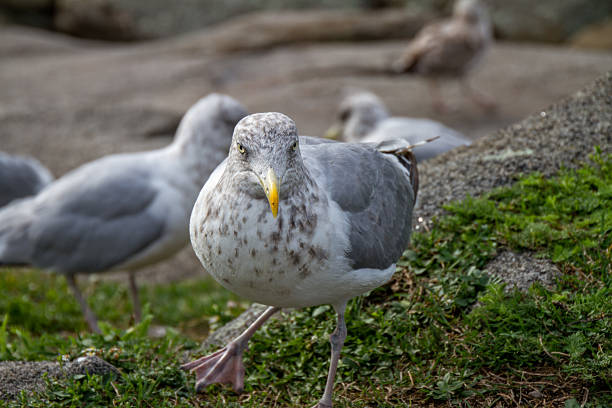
[437,101]
[337,341]
[225,366]
[134,296]
[478,98]
[87,312]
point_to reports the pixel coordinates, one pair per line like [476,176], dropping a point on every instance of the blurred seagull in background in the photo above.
[291,221]
[363,117]
[124,211]
[21,177]
[450,49]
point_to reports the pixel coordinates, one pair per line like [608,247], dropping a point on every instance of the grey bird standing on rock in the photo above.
[450,49]
[121,212]
[362,117]
[296,222]
[21,177]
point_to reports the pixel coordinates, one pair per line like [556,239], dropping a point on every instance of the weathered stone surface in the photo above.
[142,19]
[267,29]
[27,4]
[563,134]
[525,20]
[521,270]
[17,376]
[545,20]
[597,36]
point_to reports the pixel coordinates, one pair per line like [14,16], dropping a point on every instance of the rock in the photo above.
[563,134]
[20,376]
[535,394]
[142,19]
[597,36]
[224,334]
[544,20]
[269,29]
[521,270]
[99,19]
[27,4]
[38,13]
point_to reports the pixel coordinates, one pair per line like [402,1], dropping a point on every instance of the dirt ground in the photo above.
[67,101]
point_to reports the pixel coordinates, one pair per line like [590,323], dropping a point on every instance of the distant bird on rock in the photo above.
[290,221]
[363,117]
[450,48]
[121,212]
[21,177]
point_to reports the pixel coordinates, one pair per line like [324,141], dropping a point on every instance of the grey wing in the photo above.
[375,192]
[20,177]
[418,130]
[94,219]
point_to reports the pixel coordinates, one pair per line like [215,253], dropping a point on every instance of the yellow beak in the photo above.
[270,185]
[333,132]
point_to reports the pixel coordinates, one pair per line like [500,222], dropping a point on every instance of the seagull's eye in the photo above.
[240,148]
[344,115]
[294,146]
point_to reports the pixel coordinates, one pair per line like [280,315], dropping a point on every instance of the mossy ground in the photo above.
[441,333]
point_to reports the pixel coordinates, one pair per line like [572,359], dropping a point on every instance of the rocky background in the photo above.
[554,21]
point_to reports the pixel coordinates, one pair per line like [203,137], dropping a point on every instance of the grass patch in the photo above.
[441,333]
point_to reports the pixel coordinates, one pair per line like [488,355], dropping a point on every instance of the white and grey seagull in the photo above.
[21,177]
[121,212]
[363,117]
[295,222]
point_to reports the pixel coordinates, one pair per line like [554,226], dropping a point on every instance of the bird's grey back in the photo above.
[87,229]
[375,191]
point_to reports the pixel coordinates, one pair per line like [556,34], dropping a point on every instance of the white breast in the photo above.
[270,260]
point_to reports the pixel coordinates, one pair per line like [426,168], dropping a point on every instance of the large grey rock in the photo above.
[563,134]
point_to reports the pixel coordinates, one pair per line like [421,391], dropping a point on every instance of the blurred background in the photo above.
[80,79]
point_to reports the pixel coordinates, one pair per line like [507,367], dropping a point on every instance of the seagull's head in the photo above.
[358,115]
[209,123]
[470,10]
[265,156]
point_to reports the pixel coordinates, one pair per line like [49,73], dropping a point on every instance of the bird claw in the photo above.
[322,405]
[222,367]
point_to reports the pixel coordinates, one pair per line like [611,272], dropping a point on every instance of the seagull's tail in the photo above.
[408,161]
[403,152]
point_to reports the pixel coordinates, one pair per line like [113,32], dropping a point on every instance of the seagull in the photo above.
[450,49]
[292,222]
[363,117]
[124,211]
[21,177]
